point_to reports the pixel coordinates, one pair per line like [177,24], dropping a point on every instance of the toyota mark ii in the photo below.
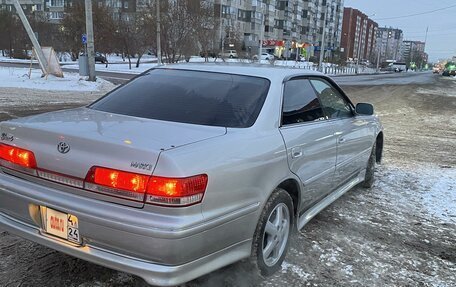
[187,168]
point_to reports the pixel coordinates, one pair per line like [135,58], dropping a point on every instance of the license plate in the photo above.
[63,225]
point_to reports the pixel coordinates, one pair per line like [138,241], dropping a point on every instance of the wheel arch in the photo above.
[291,186]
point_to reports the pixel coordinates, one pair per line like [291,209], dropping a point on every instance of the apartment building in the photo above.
[54,9]
[389,43]
[29,6]
[413,51]
[359,35]
[283,25]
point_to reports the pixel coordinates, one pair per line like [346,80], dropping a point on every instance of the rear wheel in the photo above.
[271,238]
[370,177]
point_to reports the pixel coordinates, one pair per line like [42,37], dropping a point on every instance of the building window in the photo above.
[126,5]
[57,3]
[55,15]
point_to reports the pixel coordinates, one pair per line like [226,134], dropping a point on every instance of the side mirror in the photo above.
[364,109]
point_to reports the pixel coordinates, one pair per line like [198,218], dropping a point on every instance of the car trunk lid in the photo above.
[71,142]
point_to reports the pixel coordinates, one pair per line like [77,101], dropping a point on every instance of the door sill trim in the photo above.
[325,202]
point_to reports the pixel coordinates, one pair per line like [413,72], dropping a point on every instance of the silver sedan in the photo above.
[187,168]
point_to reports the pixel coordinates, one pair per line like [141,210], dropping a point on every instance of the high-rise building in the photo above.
[413,51]
[359,36]
[283,25]
[389,43]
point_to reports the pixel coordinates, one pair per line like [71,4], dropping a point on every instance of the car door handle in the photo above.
[296,152]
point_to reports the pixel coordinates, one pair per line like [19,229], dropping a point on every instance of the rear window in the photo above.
[203,98]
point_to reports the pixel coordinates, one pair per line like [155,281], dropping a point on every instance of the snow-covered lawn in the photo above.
[12,77]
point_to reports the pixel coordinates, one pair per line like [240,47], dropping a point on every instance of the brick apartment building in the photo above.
[359,35]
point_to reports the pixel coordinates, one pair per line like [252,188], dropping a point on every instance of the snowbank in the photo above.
[11,77]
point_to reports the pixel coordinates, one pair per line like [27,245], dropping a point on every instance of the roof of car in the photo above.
[257,70]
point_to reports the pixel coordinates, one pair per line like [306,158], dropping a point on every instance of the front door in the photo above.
[309,139]
[354,139]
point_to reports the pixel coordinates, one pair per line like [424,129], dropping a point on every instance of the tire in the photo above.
[270,244]
[369,178]
[231,56]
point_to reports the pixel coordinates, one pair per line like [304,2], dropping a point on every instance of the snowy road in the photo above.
[401,232]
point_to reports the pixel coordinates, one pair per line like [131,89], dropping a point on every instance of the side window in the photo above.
[334,105]
[300,103]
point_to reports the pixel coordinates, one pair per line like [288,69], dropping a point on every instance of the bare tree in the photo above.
[7,27]
[73,26]
[205,29]
[177,20]
[134,34]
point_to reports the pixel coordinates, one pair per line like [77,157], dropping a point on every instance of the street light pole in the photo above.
[260,46]
[378,58]
[90,40]
[159,60]
[323,35]
[221,29]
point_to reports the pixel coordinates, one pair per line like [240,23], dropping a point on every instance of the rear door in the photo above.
[309,140]
[354,139]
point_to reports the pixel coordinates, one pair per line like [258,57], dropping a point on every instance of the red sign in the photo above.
[272,43]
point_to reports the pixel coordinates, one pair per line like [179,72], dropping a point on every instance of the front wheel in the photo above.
[271,238]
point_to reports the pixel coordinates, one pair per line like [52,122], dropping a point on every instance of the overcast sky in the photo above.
[441,41]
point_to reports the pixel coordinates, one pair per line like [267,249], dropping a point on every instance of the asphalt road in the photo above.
[409,78]
[401,232]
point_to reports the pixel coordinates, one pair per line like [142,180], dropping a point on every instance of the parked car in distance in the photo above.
[436,69]
[264,56]
[229,54]
[100,58]
[187,168]
[398,67]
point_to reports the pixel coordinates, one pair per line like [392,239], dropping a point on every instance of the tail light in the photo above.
[176,191]
[18,159]
[116,182]
[138,187]
[156,190]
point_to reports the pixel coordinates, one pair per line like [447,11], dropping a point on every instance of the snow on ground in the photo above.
[12,77]
[117,64]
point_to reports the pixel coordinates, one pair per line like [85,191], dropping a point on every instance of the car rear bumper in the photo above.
[152,273]
[160,256]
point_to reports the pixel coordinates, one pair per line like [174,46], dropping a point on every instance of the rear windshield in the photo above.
[193,97]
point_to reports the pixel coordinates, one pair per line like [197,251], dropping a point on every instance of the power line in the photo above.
[417,14]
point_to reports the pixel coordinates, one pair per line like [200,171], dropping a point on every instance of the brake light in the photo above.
[17,158]
[176,191]
[116,182]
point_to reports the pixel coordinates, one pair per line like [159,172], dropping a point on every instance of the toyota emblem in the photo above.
[63,147]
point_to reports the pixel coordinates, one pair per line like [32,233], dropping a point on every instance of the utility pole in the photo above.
[221,34]
[159,61]
[424,48]
[90,41]
[260,47]
[323,35]
[378,59]
[39,53]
